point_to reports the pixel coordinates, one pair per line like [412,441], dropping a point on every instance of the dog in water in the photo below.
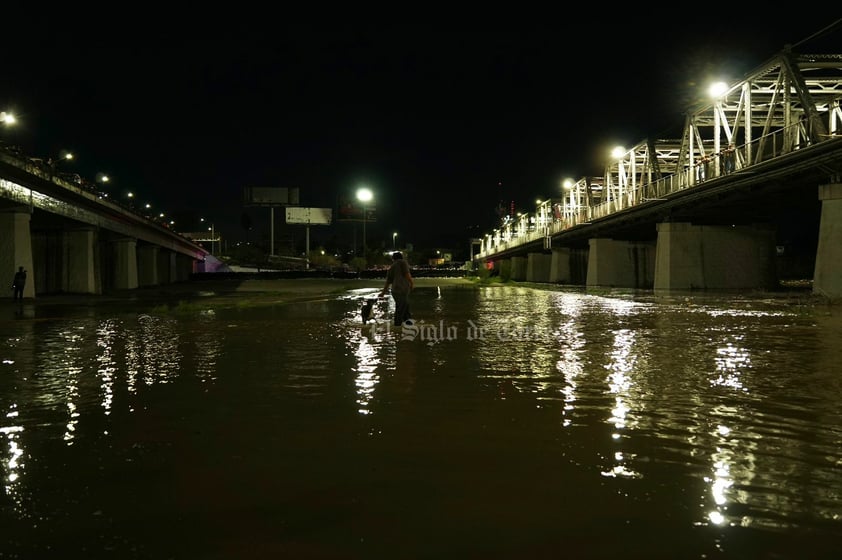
[367,311]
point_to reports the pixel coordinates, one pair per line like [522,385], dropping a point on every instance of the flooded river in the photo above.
[514,421]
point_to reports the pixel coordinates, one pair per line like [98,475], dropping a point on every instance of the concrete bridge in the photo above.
[754,182]
[71,239]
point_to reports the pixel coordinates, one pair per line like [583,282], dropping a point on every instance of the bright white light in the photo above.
[717,89]
[364,195]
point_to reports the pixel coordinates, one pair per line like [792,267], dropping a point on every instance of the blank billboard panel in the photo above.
[309,216]
[270,196]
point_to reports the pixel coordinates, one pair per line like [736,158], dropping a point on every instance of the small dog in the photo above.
[367,311]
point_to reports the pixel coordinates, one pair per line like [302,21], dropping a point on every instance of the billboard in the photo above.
[309,216]
[270,196]
[351,210]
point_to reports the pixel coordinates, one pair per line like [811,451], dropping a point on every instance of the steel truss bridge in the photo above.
[767,141]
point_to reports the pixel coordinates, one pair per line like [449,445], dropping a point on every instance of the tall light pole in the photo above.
[102,179]
[364,195]
[213,233]
[394,242]
[53,162]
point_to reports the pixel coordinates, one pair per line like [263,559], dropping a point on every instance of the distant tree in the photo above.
[358,263]
[321,259]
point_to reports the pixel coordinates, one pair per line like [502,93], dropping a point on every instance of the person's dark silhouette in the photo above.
[19,283]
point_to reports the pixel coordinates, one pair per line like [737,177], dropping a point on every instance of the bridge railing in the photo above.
[533,227]
[37,167]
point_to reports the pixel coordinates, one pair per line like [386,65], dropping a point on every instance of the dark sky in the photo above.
[441,122]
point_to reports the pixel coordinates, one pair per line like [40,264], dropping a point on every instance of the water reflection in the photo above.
[107,365]
[367,378]
[299,419]
[208,346]
[14,459]
[152,350]
[571,342]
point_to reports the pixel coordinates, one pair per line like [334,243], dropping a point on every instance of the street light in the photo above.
[7,118]
[394,244]
[102,179]
[53,162]
[213,233]
[364,195]
[64,155]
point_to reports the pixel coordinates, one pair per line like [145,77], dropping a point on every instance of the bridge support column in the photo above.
[184,267]
[518,268]
[147,265]
[16,249]
[168,267]
[569,266]
[80,262]
[621,264]
[693,257]
[538,267]
[125,264]
[503,268]
[827,277]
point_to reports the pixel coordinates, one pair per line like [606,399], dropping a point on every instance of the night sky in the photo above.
[441,122]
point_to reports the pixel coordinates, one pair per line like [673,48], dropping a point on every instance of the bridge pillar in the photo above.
[184,267]
[166,260]
[125,264]
[827,278]
[518,268]
[538,267]
[621,264]
[16,249]
[80,262]
[569,266]
[503,268]
[147,265]
[691,257]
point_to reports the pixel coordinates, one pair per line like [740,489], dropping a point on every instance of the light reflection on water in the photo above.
[722,412]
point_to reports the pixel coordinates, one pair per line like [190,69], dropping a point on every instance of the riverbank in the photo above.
[233,290]
[290,289]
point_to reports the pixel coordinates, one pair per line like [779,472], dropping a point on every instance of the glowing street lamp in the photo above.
[394,242]
[364,195]
[64,155]
[102,179]
[213,233]
[717,89]
[7,118]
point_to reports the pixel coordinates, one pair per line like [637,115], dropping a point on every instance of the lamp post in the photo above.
[394,242]
[63,156]
[53,162]
[213,233]
[364,195]
[102,179]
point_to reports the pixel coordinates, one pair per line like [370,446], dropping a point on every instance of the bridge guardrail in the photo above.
[529,228]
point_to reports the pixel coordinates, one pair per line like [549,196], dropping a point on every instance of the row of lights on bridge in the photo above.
[7,118]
